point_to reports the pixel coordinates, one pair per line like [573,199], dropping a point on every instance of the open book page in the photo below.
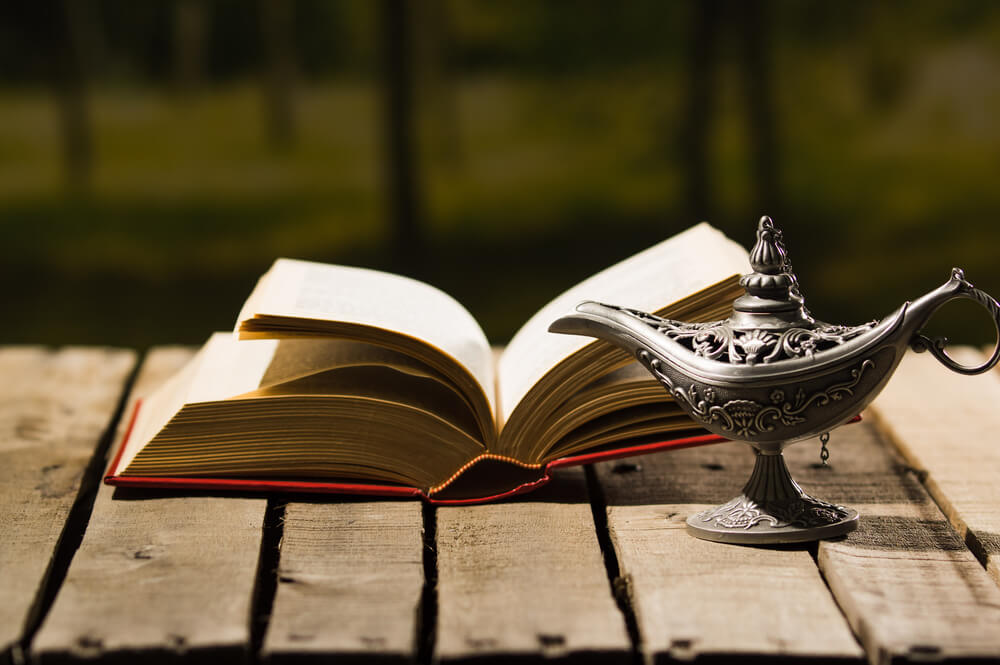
[611,394]
[251,408]
[298,358]
[328,367]
[307,293]
[663,274]
[221,369]
[627,425]
[307,436]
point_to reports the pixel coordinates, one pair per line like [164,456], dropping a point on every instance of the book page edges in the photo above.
[114,478]
[221,368]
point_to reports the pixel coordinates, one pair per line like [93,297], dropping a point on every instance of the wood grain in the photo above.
[946,425]
[158,575]
[905,580]
[526,579]
[55,406]
[350,580]
[697,599]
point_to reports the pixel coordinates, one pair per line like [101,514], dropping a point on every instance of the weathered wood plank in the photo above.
[55,406]
[158,575]
[946,425]
[906,582]
[696,599]
[350,580]
[526,579]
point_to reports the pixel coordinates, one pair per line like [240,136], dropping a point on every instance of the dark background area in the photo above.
[155,157]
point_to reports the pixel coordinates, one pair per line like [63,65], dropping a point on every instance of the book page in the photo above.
[319,292]
[231,367]
[298,358]
[617,392]
[665,273]
[221,369]
[284,406]
[329,367]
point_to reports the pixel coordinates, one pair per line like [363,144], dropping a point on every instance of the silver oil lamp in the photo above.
[771,375]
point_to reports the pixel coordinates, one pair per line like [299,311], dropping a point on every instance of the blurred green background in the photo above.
[155,157]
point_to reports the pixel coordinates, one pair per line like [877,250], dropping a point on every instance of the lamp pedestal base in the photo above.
[772,509]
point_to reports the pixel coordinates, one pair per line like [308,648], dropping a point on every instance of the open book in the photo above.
[347,379]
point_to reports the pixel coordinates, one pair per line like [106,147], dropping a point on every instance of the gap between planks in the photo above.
[426,628]
[158,575]
[705,601]
[521,579]
[57,412]
[526,579]
[619,582]
[266,583]
[909,587]
[350,582]
[946,425]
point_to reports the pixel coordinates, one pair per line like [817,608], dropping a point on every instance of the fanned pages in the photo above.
[347,379]
[305,299]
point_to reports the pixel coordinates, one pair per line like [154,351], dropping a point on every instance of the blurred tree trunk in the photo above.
[399,139]
[69,76]
[277,28]
[437,80]
[702,59]
[190,27]
[760,108]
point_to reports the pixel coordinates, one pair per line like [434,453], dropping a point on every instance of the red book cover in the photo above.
[486,478]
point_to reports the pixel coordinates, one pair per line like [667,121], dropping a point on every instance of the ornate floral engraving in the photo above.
[744,418]
[802,511]
[719,341]
[740,513]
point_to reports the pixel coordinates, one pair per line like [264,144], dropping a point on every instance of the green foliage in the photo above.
[547,149]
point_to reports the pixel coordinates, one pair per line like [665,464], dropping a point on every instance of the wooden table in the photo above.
[595,567]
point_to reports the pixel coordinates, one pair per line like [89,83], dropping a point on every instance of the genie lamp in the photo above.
[771,375]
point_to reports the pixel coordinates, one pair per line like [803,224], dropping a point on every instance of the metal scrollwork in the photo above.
[803,512]
[744,418]
[718,340]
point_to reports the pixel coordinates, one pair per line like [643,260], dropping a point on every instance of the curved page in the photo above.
[296,297]
[614,393]
[656,277]
[221,369]
[291,407]
[386,383]
[699,268]
[294,359]
[318,366]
